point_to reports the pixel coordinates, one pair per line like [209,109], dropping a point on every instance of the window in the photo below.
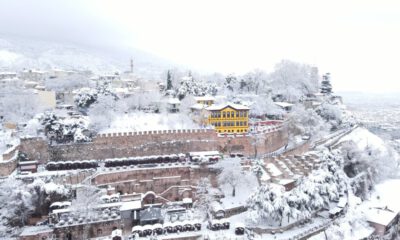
[237,114]
[245,114]
[233,114]
[241,114]
[99,232]
[237,123]
[245,123]
[228,114]
[224,114]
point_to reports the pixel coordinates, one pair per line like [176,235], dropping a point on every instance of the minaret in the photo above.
[131,65]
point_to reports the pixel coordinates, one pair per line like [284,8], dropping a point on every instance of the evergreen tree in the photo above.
[326,87]
[169,80]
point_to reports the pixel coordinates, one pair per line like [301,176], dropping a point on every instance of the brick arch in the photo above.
[187,193]
[149,197]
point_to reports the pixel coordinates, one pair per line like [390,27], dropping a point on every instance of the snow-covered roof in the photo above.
[342,202]
[8,73]
[216,207]
[131,205]
[239,225]
[173,101]
[283,104]
[204,98]
[33,230]
[222,106]
[204,153]
[27,162]
[198,106]
[137,228]
[286,181]
[380,216]
[61,204]
[335,210]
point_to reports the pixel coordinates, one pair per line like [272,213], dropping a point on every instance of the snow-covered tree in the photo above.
[19,201]
[18,105]
[306,121]
[169,80]
[256,82]
[326,87]
[270,203]
[65,129]
[195,87]
[232,175]
[84,97]
[292,80]
[204,196]
[264,204]
[331,113]
[102,112]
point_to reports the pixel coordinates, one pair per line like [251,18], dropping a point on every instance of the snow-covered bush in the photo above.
[194,87]
[65,129]
[204,197]
[331,113]
[84,97]
[19,201]
[306,121]
[270,204]
[293,80]
[367,160]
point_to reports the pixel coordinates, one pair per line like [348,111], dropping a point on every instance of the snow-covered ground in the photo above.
[354,225]
[150,121]
[365,139]
[244,188]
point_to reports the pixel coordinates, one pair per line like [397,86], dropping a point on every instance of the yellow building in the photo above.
[229,118]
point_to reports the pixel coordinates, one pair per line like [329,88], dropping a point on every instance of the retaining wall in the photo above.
[130,144]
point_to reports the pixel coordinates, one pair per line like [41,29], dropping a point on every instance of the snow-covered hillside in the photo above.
[17,54]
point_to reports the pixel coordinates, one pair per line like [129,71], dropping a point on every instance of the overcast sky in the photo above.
[357,41]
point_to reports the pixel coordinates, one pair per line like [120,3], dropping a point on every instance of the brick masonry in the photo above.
[132,144]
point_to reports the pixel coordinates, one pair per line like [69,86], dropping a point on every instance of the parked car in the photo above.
[239,229]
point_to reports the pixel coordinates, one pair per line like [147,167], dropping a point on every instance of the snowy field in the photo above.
[150,121]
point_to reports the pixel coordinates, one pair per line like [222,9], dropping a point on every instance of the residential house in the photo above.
[173,105]
[33,75]
[382,219]
[205,100]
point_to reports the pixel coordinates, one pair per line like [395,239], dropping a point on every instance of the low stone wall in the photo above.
[229,212]
[9,162]
[171,183]
[87,230]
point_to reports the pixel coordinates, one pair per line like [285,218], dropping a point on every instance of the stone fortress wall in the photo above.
[131,144]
